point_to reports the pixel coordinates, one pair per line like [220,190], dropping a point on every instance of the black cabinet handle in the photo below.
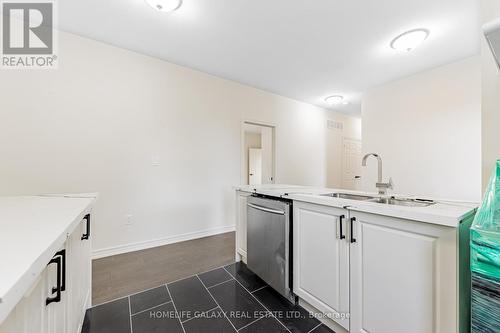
[56,260]
[86,235]
[353,240]
[62,255]
[341,219]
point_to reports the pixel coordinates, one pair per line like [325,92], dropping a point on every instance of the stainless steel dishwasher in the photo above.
[269,251]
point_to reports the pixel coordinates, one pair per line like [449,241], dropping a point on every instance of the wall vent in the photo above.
[335,125]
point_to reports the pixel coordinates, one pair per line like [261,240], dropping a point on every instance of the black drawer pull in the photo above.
[86,235]
[353,240]
[341,219]
[62,254]
[56,260]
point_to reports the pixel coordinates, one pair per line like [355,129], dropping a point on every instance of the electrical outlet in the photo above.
[128,220]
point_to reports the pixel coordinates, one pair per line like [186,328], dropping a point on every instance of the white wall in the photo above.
[427,128]
[490,9]
[98,122]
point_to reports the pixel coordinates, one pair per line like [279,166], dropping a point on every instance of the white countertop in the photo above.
[446,213]
[32,229]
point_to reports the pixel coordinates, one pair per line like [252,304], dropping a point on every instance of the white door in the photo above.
[321,259]
[402,276]
[351,164]
[254,166]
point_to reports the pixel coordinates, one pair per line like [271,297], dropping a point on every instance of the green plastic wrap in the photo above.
[485,231]
[485,260]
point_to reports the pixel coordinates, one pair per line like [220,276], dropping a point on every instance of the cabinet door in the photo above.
[30,315]
[241,224]
[321,259]
[35,312]
[402,276]
[56,311]
[78,276]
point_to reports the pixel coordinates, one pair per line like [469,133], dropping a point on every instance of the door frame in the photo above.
[274,128]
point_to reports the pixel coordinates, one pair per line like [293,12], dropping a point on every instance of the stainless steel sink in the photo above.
[359,197]
[387,201]
[403,202]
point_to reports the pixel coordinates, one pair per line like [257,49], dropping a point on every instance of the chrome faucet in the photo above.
[382,187]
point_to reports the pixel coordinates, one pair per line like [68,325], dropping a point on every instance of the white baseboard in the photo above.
[111,251]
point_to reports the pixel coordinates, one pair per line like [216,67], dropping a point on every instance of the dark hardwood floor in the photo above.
[125,274]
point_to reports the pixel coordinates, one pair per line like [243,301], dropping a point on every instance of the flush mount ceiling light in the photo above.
[335,100]
[164,5]
[409,40]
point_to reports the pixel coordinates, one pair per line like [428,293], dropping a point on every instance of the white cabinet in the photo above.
[371,273]
[388,275]
[33,315]
[78,277]
[241,225]
[321,259]
[28,316]
[56,311]
[403,276]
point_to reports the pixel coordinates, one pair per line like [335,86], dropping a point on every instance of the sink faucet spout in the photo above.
[379,162]
[382,187]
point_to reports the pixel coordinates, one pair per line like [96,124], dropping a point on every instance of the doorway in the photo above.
[258,153]
[254,166]
[351,164]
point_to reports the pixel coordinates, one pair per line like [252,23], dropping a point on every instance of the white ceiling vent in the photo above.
[492,33]
[334,125]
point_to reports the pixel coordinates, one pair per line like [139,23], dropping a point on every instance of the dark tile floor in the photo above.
[227,299]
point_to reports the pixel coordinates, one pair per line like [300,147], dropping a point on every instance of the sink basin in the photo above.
[387,201]
[359,197]
[403,202]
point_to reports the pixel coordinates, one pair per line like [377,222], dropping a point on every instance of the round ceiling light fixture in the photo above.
[165,6]
[409,40]
[335,100]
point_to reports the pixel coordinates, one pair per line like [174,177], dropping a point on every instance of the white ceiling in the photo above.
[303,49]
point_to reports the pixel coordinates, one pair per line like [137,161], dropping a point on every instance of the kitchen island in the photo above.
[365,266]
[45,260]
